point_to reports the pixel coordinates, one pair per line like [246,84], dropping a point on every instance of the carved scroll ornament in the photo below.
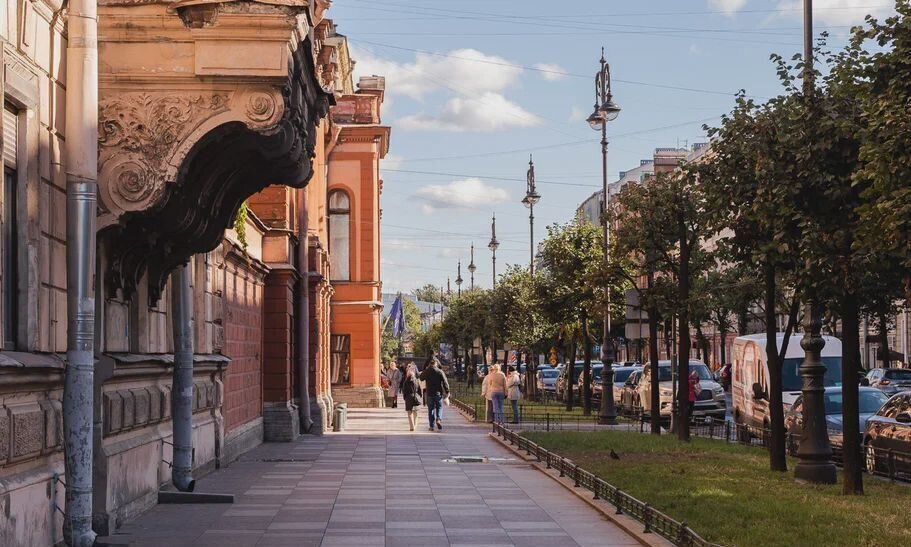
[143,136]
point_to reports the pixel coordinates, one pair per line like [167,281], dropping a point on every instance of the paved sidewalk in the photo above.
[379,485]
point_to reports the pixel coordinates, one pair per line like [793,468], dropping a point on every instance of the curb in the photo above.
[628,524]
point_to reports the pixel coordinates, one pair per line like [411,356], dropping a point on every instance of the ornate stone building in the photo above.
[202,105]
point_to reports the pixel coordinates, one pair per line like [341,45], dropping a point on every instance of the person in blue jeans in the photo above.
[496,389]
[437,390]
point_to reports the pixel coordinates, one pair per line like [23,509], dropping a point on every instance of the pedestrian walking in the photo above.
[436,390]
[496,390]
[514,392]
[395,381]
[411,393]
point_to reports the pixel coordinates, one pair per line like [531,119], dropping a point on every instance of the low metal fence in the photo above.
[653,521]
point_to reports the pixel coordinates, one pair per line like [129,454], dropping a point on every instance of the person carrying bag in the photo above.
[411,392]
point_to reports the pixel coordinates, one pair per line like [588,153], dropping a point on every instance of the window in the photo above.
[339,236]
[8,233]
[340,359]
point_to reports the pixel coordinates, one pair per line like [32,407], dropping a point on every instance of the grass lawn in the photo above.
[727,494]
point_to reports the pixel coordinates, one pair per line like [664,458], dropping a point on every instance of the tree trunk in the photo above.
[655,395]
[683,343]
[883,336]
[721,350]
[570,366]
[853,483]
[742,319]
[586,369]
[777,460]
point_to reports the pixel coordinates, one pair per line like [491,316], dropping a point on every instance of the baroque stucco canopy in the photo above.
[202,104]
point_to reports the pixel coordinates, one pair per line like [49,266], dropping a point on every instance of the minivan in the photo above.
[750,375]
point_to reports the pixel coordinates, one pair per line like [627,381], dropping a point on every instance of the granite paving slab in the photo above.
[379,485]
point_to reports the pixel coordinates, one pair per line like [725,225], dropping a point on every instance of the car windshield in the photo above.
[621,375]
[870,401]
[899,375]
[790,373]
[702,371]
[550,373]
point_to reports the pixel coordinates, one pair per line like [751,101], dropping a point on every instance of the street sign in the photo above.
[553,356]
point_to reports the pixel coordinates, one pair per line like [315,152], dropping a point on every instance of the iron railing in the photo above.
[652,520]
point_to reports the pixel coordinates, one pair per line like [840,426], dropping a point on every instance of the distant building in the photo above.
[590,209]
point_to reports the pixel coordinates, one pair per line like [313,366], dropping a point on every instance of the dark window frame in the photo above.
[340,347]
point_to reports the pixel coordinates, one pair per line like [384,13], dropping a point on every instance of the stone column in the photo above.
[281,420]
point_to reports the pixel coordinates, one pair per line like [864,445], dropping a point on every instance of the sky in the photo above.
[474,87]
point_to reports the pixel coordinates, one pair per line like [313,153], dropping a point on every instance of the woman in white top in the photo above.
[514,392]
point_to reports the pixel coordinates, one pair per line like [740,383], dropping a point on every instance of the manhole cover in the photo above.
[477,459]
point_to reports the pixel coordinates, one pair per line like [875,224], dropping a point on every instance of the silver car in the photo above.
[547,379]
[870,401]
[890,380]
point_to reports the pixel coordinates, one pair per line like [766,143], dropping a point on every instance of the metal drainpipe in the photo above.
[303,324]
[182,384]
[81,182]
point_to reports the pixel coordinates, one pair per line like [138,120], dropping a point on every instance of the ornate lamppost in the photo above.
[531,197]
[458,280]
[814,453]
[471,267]
[493,246]
[606,110]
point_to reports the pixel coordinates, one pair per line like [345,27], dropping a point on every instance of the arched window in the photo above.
[339,236]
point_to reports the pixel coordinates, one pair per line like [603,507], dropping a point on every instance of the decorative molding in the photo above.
[138,134]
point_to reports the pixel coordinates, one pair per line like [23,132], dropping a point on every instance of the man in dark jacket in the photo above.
[437,389]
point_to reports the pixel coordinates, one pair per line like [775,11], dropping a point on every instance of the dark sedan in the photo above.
[887,439]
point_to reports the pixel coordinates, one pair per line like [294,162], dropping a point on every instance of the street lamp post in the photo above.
[493,246]
[606,110]
[471,267]
[814,453]
[458,279]
[531,197]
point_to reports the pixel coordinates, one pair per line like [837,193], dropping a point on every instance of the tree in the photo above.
[428,293]
[751,199]
[641,236]
[571,256]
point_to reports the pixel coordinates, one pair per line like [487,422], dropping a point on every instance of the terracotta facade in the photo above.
[202,106]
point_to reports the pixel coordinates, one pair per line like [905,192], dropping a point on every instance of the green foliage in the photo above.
[240,225]
[428,293]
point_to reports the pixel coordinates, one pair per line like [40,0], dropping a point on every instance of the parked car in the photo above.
[547,379]
[710,401]
[621,373]
[596,377]
[890,380]
[577,373]
[870,401]
[887,438]
[629,393]
[750,375]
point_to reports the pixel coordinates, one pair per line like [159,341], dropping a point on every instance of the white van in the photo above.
[750,375]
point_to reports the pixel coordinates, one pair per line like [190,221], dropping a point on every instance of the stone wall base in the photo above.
[281,422]
[242,439]
[359,396]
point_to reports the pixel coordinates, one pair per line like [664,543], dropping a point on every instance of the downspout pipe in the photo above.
[81,168]
[182,383]
[303,324]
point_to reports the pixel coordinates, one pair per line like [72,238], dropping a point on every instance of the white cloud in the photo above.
[837,12]
[461,194]
[469,71]
[728,7]
[551,72]
[695,50]
[401,244]
[485,113]
[577,114]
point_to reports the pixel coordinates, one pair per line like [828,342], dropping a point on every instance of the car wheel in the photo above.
[869,457]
